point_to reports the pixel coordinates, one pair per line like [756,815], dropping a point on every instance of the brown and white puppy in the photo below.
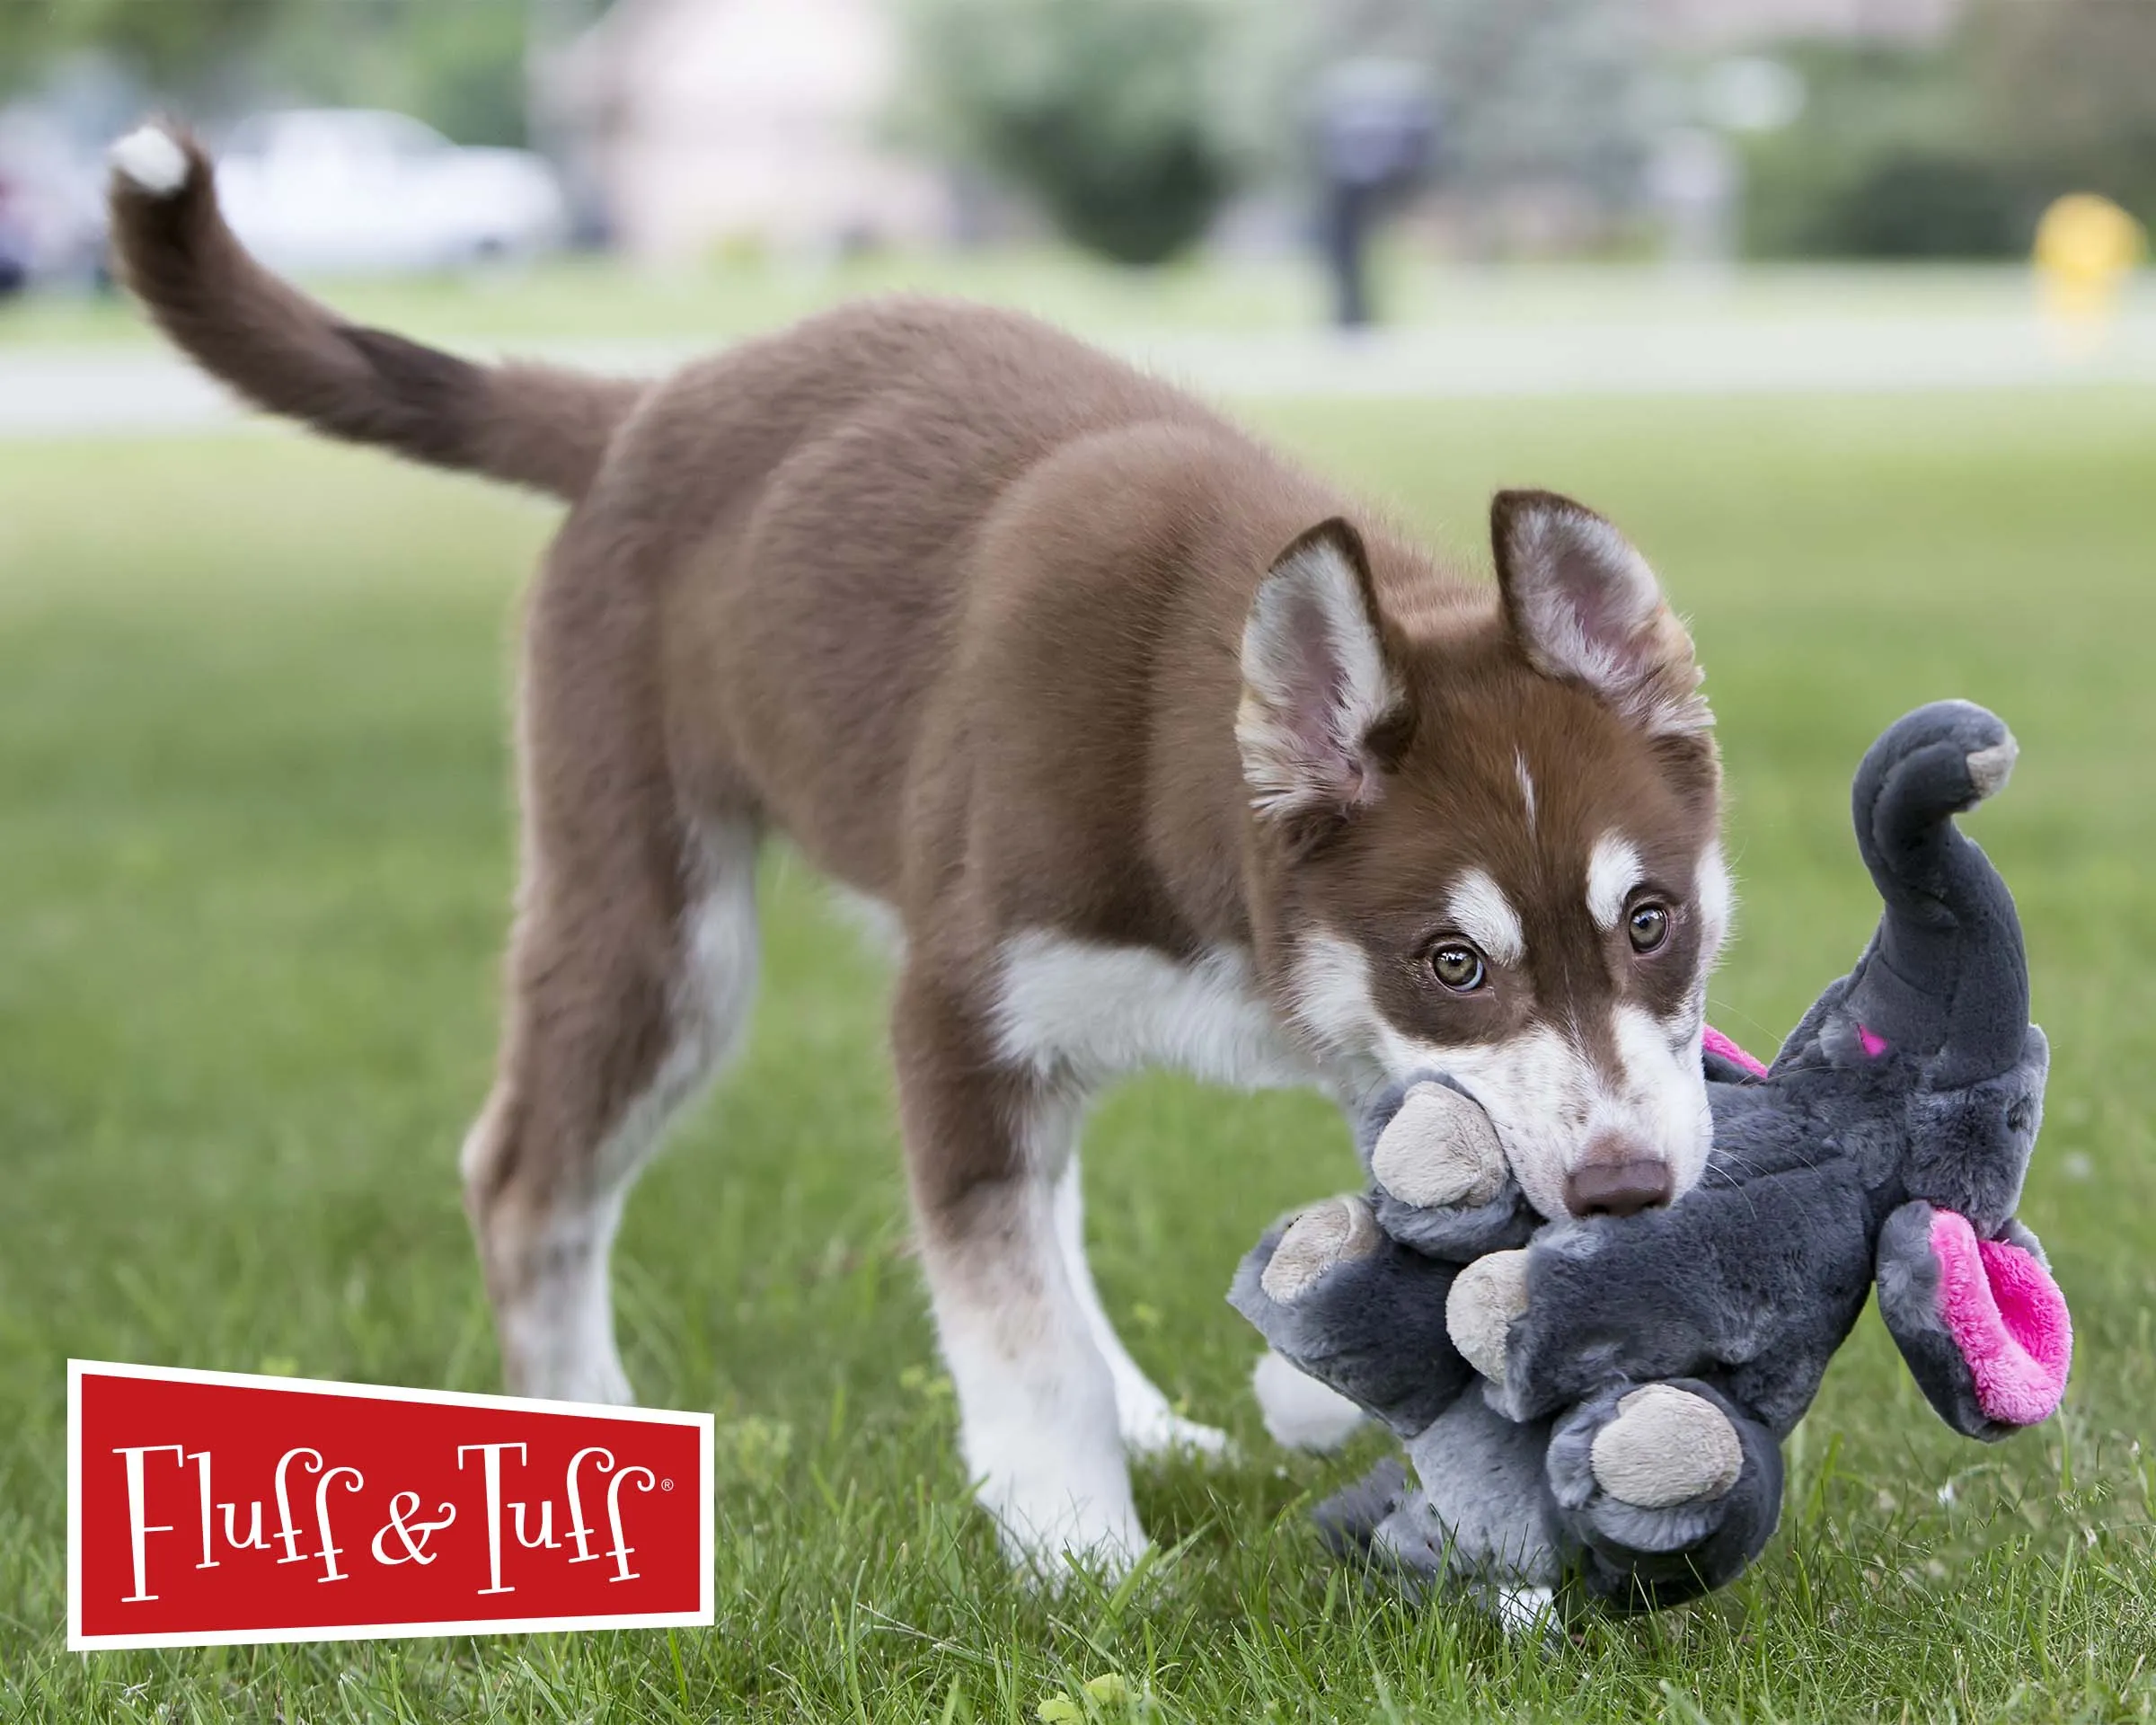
[1150,746]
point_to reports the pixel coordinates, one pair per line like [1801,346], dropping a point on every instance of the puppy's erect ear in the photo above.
[1320,693]
[1584,606]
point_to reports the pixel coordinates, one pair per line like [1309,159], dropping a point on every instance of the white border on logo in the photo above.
[703,1617]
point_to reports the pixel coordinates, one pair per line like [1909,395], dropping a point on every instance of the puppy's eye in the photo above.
[1458,966]
[1649,925]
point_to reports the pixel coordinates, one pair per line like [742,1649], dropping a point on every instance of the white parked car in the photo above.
[52,225]
[351,191]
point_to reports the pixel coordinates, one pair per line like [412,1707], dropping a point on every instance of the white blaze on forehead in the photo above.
[1477,906]
[1519,766]
[1613,870]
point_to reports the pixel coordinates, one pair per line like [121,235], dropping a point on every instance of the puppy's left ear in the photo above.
[1585,606]
[1322,711]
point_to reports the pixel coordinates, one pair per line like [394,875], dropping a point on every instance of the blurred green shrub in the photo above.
[1103,111]
[1921,203]
[1886,161]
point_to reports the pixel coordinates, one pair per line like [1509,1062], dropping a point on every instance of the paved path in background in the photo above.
[58,390]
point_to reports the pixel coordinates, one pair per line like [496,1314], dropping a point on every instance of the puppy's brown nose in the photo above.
[1617,1188]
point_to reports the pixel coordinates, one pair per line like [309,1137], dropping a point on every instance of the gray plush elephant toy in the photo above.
[1600,1400]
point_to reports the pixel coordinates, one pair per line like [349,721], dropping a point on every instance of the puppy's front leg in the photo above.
[985,1145]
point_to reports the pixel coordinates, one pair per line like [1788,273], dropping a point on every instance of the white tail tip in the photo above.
[150,159]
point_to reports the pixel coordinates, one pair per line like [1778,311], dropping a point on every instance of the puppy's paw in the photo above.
[1479,1310]
[1052,1532]
[1439,1151]
[1338,1231]
[1530,1612]
[1051,1561]
[1666,1447]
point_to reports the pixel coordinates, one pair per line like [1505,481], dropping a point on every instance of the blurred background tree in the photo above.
[1104,111]
[1131,124]
[458,64]
[1955,151]
[2066,90]
[1532,91]
[169,43]
[1545,110]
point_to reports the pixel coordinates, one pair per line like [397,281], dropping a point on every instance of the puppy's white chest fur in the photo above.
[1092,1012]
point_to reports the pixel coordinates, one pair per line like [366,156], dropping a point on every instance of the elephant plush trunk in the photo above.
[1946,978]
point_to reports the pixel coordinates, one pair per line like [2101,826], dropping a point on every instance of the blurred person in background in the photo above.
[1375,136]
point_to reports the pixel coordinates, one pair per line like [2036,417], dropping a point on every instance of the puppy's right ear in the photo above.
[1321,699]
[1585,606]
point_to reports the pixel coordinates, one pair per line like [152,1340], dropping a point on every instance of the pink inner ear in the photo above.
[2009,1319]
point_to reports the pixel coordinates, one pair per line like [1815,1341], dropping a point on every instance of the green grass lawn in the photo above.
[254,845]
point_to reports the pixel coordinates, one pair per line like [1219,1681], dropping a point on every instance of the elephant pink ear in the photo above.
[1714,1042]
[2009,1319]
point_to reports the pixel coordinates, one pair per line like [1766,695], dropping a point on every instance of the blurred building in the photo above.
[702,123]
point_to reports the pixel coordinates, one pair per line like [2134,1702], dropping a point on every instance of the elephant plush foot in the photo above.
[1439,1179]
[1439,1149]
[1666,1447]
[1353,1309]
[1349,1519]
[1486,1298]
[1339,1231]
[1670,1488]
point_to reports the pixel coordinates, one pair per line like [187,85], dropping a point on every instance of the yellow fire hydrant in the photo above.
[2086,248]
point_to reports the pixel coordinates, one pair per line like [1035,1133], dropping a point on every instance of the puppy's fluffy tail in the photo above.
[529,425]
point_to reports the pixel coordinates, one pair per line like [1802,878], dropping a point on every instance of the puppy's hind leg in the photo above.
[628,986]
